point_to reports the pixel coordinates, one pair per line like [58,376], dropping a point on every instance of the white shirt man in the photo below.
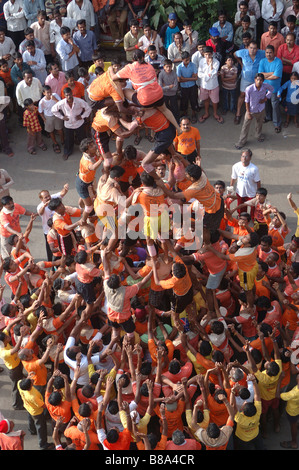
[33,91]
[14,15]
[246,176]
[86,12]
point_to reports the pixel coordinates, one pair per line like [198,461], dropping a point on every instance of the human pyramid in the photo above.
[159,320]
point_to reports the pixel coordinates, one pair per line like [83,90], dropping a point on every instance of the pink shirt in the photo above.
[213,263]
[56,83]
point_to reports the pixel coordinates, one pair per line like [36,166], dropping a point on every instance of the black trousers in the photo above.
[69,138]
[189,95]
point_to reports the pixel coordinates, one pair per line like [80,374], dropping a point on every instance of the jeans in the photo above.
[273,110]
[229,100]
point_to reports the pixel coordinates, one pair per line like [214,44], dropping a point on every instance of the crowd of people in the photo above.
[164,313]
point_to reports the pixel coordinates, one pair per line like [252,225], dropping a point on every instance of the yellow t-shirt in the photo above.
[292,399]
[267,384]
[93,67]
[248,427]
[32,400]
[11,361]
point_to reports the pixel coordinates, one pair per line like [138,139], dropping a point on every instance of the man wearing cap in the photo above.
[169,29]
[218,46]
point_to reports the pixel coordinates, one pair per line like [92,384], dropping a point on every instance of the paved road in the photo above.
[277,159]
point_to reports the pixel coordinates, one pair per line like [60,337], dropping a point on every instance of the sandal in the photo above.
[277,130]
[287,445]
[137,140]
[203,118]
[261,139]
[150,138]
[44,148]
[286,124]
[32,152]
[237,119]
[56,148]
[219,119]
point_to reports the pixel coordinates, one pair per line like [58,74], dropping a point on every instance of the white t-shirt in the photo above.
[45,106]
[47,214]
[247,178]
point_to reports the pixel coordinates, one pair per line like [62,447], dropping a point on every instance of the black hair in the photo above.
[112,436]
[116,172]
[84,410]
[263,265]
[179,270]
[217,327]
[147,179]
[194,171]
[205,348]
[113,281]
[81,257]
[174,367]
[55,398]
[64,30]
[249,409]
[267,239]
[213,431]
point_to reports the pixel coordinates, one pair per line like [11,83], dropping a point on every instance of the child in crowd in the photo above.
[291,109]
[169,82]
[34,129]
[229,78]
[85,77]
[52,123]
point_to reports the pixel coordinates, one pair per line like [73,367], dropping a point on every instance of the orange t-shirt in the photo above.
[174,418]
[78,90]
[103,123]
[148,202]
[85,173]
[60,221]
[102,87]
[245,262]
[218,411]
[185,143]
[207,196]
[180,286]
[63,410]
[39,370]
[157,122]
[144,80]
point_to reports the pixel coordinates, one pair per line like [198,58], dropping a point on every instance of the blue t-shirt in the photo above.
[250,67]
[169,35]
[276,67]
[186,72]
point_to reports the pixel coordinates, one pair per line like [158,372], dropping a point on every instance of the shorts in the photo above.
[53,123]
[86,291]
[156,104]
[247,278]
[181,302]
[128,325]
[267,404]
[244,84]
[212,94]
[215,279]
[164,139]
[191,157]
[82,188]
[102,140]
[292,419]
[155,225]
[160,299]
[66,244]
[213,221]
